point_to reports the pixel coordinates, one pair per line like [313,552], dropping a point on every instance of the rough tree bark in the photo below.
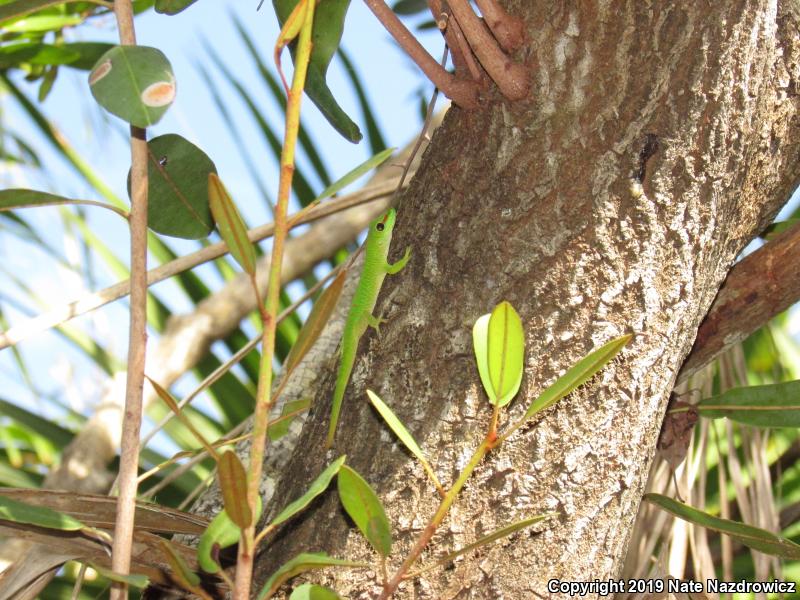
[657,140]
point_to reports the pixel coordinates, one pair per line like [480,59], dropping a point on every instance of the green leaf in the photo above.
[327,33]
[178,191]
[505,351]
[300,564]
[21,198]
[180,570]
[409,7]
[19,8]
[374,135]
[169,400]
[13,55]
[773,405]
[172,7]
[579,374]
[753,537]
[139,581]
[230,225]
[319,485]
[355,174]
[309,591]
[221,533]
[88,54]
[233,484]
[39,23]
[320,94]
[366,510]
[277,429]
[135,83]
[315,323]
[480,339]
[19,512]
[403,435]
[494,536]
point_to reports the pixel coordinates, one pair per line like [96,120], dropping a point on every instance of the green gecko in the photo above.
[360,316]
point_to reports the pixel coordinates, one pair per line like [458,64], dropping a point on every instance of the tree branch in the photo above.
[508,30]
[758,287]
[510,77]
[462,92]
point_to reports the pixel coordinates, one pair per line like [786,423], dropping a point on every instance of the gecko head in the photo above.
[385,223]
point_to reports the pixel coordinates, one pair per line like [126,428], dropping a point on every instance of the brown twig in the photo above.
[757,288]
[137,340]
[510,77]
[441,15]
[473,67]
[508,30]
[461,91]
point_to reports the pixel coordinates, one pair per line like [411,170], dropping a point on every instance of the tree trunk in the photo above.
[658,139]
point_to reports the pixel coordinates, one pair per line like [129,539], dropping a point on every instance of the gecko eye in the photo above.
[163,161]
[379,226]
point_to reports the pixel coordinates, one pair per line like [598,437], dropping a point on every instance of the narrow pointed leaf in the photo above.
[180,570]
[280,426]
[366,510]
[505,350]
[494,536]
[309,591]
[233,484]
[230,225]
[752,537]
[374,135]
[328,26]
[42,23]
[27,514]
[167,398]
[300,564]
[178,187]
[773,405]
[319,485]
[221,533]
[135,83]
[22,198]
[317,319]
[139,581]
[19,8]
[579,374]
[356,173]
[403,434]
[172,7]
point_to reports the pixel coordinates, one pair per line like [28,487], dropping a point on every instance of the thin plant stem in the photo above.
[137,337]
[244,563]
[426,535]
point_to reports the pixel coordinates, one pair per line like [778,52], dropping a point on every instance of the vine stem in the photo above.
[481,451]
[247,546]
[510,77]
[137,336]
